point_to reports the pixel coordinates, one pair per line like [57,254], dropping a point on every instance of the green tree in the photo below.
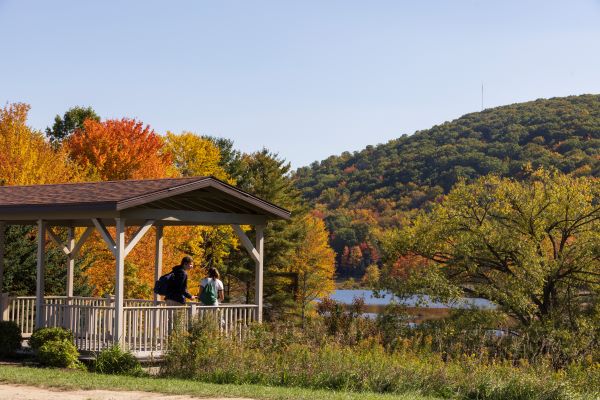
[266,175]
[72,119]
[532,247]
[230,160]
[21,260]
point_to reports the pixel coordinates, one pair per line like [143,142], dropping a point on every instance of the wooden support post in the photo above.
[119,337]
[256,252]
[70,260]
[258,293]
[109,325]
[70,272]
[193,312]
[4,304]
[2,248]
[39,289]
[158,257]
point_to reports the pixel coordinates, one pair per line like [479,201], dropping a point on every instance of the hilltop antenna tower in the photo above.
[481,96]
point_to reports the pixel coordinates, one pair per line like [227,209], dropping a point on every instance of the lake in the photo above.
[347,295]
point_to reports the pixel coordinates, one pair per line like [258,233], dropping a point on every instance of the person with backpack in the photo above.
[174,284]
[211,288]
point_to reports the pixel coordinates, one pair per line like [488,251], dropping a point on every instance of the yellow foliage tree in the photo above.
[193,155]
[139,268]
[313,262]
[25,156]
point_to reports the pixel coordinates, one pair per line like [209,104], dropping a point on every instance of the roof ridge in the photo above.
[112,181]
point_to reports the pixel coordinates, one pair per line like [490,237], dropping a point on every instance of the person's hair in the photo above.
[186,260]
[213,273]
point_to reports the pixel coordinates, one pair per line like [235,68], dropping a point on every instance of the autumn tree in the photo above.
[119,149]
[25,157]
[313,261]
[193,155]
[66,125]
[531,247]
[371,276]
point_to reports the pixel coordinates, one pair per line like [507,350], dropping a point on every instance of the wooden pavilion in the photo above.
[136,324]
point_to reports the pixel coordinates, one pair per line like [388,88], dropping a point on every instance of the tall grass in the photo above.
[316,358]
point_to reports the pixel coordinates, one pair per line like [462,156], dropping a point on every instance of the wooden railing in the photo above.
[22,311]
[146,326]
[147,329]
[92,325]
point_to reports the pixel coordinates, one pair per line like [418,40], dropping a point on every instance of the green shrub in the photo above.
[43,335]
[10,338]
[59,353]
[115,361]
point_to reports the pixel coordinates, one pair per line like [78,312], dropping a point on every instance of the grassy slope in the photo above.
[65,379]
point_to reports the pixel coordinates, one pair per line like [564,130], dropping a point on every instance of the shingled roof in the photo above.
[202,194]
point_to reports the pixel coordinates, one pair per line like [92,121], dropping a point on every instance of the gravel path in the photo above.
[18,392]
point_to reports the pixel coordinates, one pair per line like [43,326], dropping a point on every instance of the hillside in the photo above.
[378,185]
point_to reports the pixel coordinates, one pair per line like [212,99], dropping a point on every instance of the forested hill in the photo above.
[355,190]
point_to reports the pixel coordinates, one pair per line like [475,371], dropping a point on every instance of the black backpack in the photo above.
[161,286]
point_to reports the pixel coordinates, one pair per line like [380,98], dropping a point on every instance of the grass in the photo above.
[71,380]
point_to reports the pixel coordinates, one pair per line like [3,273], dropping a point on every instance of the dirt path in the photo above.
[18,392]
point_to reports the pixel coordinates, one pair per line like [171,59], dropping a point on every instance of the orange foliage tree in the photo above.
[124,149]
[119,149]
[139,264]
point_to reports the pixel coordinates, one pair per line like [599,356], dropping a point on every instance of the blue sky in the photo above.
[306,79]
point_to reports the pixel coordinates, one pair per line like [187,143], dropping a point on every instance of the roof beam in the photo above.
[112,246]
[138,235]
[233,204]
[88,231]
[31,216]
[57,240]
[84,236]
[194,217]
[206,203]
[177,203]
[246,242]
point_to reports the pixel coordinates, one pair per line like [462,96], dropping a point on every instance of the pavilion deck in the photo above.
[147,325]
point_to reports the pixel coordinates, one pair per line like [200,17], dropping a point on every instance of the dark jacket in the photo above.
[177,287]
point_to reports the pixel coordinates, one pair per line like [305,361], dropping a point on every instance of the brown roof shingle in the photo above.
[86,192]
